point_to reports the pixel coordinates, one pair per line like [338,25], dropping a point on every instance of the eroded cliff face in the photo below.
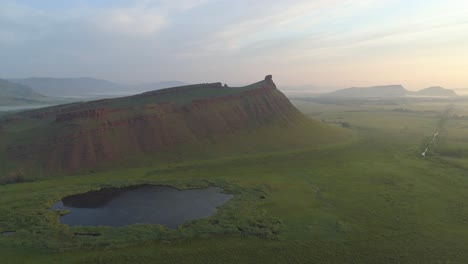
[83,136]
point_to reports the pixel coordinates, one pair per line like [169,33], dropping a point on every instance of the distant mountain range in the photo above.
[58,90]
[13,94]
[88,87]
[390,91]
[58,87]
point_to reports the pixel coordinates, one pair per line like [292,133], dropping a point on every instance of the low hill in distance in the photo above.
[436,91]
[182,123]
[14,94]
[390,91]
[461,91]
[374,91]
[70,87]
[89,87]
[18,97]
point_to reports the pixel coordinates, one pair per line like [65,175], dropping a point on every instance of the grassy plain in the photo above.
[369,198]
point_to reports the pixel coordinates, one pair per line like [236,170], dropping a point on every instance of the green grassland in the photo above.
[367,196]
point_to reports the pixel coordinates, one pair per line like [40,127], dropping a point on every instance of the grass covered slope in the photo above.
[188,122]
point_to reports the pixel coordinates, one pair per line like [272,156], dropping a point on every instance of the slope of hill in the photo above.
[145,87]
[374,91]
[13,94]
[194,120]
[436,91]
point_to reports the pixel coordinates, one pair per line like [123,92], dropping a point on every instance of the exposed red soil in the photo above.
[161,126]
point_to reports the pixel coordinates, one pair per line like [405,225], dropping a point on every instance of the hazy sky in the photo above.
[338,43]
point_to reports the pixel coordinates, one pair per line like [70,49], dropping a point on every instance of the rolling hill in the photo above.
[374,91]
[14,94]
[187,122]
[68,87]
[390,91]
[89,87]
[436,91]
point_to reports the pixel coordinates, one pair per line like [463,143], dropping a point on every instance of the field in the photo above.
[370,197]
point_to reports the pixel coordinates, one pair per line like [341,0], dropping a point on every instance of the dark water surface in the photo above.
[144,204]
[7,233]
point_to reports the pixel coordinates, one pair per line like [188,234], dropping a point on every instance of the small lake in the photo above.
[143,204]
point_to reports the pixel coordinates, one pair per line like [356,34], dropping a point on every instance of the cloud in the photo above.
[143,17]
[131,21]
[128,18]
[308,30]
[18,22]
[269,22]
[178,5]
[170,39]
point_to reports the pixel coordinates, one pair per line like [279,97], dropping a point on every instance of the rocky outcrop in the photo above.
[85,138]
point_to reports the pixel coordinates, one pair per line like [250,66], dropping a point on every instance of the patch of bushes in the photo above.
[13,177]
[345,124]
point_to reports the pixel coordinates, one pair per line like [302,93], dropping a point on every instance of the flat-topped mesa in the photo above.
[90,135]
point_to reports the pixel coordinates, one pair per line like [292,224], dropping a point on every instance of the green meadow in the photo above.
[367,196]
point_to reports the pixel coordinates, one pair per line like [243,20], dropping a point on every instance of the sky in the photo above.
[324,43]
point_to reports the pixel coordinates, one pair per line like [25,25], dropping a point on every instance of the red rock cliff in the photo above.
[83,138]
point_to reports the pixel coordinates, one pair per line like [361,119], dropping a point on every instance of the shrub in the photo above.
[345,124]
[13,177]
